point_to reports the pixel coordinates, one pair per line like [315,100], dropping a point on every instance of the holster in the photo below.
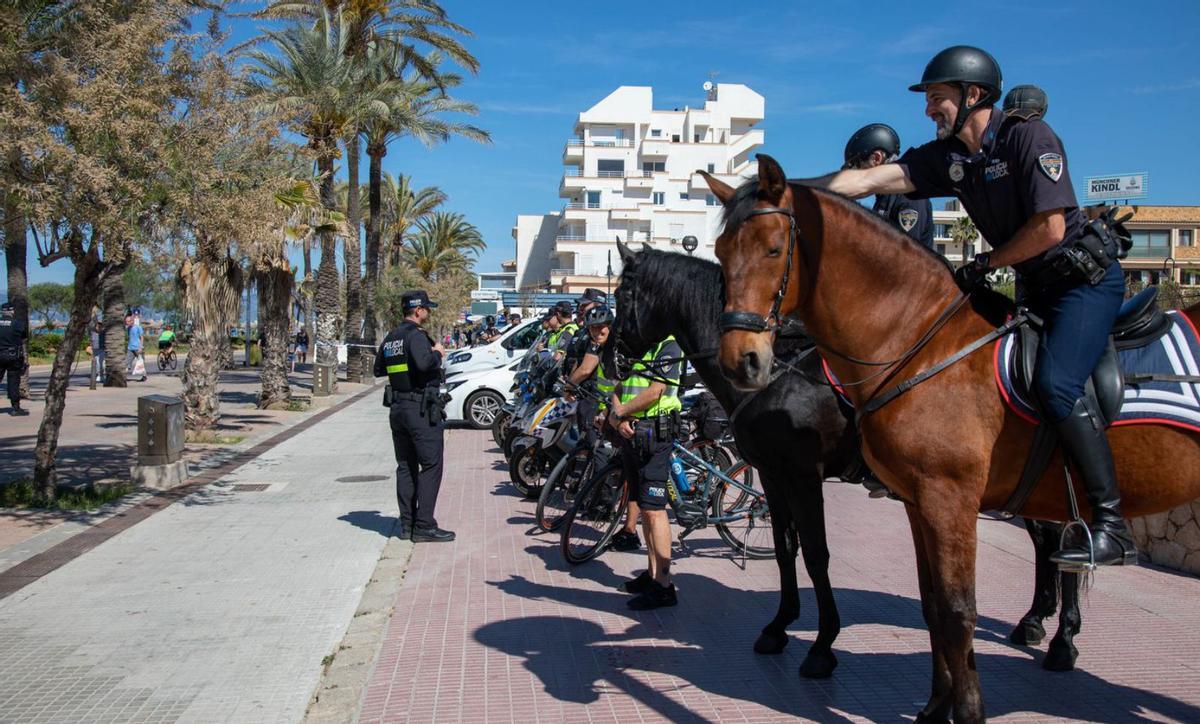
[1086,259]
[388,395]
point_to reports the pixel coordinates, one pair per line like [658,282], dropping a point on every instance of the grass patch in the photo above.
[20,494]
[297,406]
[208,437]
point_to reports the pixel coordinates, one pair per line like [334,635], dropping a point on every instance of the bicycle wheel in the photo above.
[749,531]
[174,360]
[595,515]
[162,362]
[713,454]
[555,498]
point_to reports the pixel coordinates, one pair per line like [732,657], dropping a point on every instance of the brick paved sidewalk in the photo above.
[220,607]
[495,627]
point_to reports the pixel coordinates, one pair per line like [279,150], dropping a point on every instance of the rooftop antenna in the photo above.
[710,85]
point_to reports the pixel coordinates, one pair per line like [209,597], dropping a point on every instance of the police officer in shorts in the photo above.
[1011,175]
[12,355]
[412,362]
[645,413]
[874,145]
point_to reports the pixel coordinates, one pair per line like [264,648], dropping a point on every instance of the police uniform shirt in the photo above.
[674,370]
[1020,171]
[12,332]
[912,216]
[409,340]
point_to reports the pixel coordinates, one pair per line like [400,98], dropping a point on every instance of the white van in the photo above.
[507,348]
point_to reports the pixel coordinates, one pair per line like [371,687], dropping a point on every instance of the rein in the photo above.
[752,321]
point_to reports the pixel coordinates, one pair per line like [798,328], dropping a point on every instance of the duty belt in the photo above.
[410,396]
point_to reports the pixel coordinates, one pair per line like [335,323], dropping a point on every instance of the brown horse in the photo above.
[949,447]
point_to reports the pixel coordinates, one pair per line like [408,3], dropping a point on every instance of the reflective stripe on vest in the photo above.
[669,402]
[393,369]
[605,385]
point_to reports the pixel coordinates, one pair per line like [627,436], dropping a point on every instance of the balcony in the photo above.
[639,180]
[571,237]
[656,147]
[573,150]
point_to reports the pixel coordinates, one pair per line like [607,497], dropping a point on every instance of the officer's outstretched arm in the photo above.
[889,178]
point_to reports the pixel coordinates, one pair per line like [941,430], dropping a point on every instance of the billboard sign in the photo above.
[1117,187]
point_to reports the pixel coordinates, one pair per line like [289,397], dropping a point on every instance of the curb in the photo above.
[339,693]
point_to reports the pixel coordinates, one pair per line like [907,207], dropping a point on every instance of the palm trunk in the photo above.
[352,255]
[212,287]
[306,292]
[113,302]
[89,273]
[16,254]
[328,325]
[374,251]
[274,302]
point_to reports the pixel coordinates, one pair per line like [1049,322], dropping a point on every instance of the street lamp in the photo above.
[690,243]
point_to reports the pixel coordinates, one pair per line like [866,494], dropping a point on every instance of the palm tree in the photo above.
[444,243]
[964,233]
[402,207]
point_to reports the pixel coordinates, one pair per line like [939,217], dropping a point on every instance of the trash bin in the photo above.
[324,378]
[160,429]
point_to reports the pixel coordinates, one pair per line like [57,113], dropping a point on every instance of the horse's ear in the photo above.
[624,252]
[772,182]
[720,189]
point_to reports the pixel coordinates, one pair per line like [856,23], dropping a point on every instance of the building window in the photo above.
[656,133]
[941,249]
[657,198]
[941,231]
[1151,243]
[609,168]
[683,196]
[712,168]
[1185,237]
[1191,278]
[593,200]
[710,200]
[654,166]
[674,138]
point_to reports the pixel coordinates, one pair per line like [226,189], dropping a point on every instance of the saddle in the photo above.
[1139,322]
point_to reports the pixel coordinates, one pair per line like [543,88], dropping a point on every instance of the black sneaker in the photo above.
[432,535]
[640,584]
[625,541]
[19,411]
[656,596]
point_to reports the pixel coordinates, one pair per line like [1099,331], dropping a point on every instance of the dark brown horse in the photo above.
[949,447]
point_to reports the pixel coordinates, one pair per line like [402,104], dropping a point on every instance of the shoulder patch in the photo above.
[1051,165]
[956,171]
[908,219]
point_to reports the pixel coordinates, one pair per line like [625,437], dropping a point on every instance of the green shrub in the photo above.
[44,345]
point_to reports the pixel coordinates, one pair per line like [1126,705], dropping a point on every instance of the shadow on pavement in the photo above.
[576,660]
[82,463]
[371,520]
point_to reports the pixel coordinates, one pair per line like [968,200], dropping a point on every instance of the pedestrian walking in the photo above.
[13,334]
[135,361]
[98,356]
[412,362]
[302,345]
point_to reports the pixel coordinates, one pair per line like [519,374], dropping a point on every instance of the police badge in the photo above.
[956,172]
[908,219]
[1052,165]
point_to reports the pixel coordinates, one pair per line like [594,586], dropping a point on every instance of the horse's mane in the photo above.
[990,304]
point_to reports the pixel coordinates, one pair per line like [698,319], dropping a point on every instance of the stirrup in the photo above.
[1091,550]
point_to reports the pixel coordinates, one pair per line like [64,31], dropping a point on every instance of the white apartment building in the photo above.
[629,174]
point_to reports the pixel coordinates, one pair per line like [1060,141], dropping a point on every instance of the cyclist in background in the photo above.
[166,340]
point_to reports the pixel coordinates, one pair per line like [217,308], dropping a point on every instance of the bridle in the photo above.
[751,321]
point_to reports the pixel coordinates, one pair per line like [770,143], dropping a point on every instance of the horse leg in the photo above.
[950,548]
[1061,654]
[810,515]
[940,701]
[1029,630]
[774,635]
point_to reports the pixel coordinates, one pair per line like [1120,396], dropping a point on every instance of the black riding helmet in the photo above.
[869,138]
[599,314]
[1026,101]
[964,65]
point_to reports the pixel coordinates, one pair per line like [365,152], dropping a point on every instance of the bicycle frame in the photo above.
[694,462]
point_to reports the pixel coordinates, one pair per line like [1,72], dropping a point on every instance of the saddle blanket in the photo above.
[1146,403]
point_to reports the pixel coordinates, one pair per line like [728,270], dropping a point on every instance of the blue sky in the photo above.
[1123,81]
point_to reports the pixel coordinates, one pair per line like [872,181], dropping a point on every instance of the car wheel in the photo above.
[482,408]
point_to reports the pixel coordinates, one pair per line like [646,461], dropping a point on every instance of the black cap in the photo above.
[1026,101]
[869,138]
[591,295]
[416,299]
[964,64]
[6,307]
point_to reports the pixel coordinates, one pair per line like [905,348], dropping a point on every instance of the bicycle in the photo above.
[738,508]
[166,358]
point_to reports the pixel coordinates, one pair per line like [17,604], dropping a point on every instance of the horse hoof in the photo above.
[1060,657]
[770,643]
[818,665]
[1027,633]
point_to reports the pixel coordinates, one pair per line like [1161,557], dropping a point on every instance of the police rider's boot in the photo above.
[1084,441]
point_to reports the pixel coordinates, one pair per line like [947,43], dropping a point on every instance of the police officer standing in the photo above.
[12,355]
[412,362]
[874,145]
[1011,174]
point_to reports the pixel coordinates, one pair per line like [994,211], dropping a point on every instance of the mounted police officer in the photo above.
[12,355]
[1011,174]
[412,362]
[1026,102]
[874,145]
[645,412]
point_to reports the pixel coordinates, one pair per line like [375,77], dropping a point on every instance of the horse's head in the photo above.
[758,254]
